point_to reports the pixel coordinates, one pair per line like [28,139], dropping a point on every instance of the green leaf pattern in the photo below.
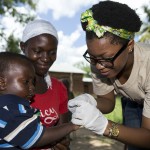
[99,30]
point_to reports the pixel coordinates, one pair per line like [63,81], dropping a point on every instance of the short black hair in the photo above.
[115,15]
[8,58]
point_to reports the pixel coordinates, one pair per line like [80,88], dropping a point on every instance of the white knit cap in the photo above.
[37,27]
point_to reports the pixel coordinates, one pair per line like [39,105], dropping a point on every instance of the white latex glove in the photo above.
[83,97]
[88,116]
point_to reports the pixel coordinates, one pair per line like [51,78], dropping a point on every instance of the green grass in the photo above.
[116,114]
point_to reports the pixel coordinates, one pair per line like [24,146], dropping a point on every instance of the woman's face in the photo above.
[42,51]
[103,49]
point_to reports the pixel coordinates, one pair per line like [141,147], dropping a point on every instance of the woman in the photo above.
[120,65]
[39,44]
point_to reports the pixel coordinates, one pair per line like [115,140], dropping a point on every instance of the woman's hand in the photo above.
[84,98]
[88,116]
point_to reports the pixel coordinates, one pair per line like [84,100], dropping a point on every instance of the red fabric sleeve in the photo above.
[62,95]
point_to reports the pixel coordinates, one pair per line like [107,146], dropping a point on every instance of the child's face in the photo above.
[20,80]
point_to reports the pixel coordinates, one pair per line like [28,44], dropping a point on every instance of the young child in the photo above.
[20,126]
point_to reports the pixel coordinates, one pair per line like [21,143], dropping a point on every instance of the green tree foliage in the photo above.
[85,67]
[145,32]
[10,7]
[12,45]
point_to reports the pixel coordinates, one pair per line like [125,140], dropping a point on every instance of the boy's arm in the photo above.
[53,134]
[21,127]
[63,144]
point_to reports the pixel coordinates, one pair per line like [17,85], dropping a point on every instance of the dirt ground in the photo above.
[84,139]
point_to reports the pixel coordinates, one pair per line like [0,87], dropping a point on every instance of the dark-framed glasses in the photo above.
[108,62]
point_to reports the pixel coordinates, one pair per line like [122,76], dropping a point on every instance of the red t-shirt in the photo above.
[52,103]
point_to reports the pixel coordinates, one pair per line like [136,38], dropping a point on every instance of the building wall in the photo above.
[88,87]
[75,79]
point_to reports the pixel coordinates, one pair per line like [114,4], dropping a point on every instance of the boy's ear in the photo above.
[2,83]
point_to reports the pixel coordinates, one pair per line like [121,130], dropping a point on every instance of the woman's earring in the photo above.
[130,50]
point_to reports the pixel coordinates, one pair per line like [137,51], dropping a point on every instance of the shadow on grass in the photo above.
[84,139]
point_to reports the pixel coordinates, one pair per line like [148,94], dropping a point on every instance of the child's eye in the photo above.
[52,53]
[26,81]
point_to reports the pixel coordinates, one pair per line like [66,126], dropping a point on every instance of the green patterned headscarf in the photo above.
[99,30]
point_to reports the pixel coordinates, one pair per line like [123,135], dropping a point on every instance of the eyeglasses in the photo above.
[107,63]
